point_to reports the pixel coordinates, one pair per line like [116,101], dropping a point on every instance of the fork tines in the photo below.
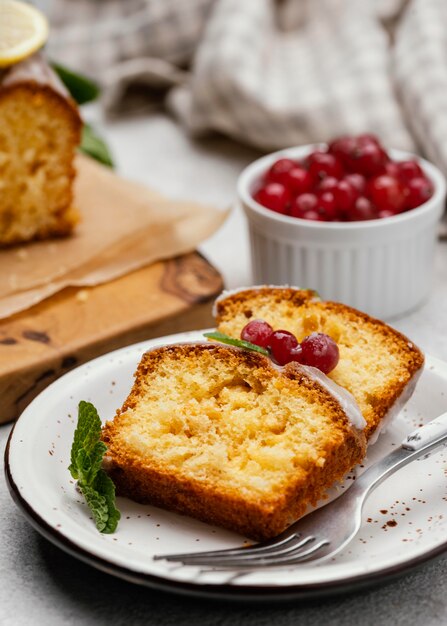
[287,551]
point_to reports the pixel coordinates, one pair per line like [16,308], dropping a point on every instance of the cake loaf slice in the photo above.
[224,435]
[40,130]
[378,365]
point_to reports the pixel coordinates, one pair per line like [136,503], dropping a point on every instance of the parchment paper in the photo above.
[124,226]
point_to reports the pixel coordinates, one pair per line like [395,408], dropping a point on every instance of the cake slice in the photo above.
[224,435]
[39,132]
[378,365]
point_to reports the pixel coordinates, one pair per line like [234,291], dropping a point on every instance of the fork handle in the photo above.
[421,442]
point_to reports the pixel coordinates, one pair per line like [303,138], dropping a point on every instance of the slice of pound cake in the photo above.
[377,364]
[226,436]
[40,130]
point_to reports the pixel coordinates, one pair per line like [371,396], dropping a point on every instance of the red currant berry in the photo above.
[392,169]
[342,147]
[369,159]
[356,180]
[407,170]
[283,346]
[363,209]
[385,213]
[314,216]
[323,164]
[321,351]
[328,183]
[346,195]
[278,171]
[387,192]
[368,138]
[305,202]
[274,196]
[298,180]
[257,332]
[327,206]
[419,190]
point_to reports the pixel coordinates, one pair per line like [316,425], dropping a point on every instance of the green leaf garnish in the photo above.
[81,88]
[239,343]
[86,456]
[94,146]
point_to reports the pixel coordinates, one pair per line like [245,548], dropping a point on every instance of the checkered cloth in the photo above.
[268,73]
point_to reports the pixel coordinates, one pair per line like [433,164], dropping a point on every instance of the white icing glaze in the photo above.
[342,395]
[226,293]
[396,408]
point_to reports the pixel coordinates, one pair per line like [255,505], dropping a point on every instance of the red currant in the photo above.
[321,351]
[392,169]
[342,148]
[284,347]
[368,138]
[323,164]
[274,196]
[328,183]
[363,209]
[407,170]
[298,180]
[305,202]
[385,213]
[419,190]
[387,192]
[356,180]
[346,195]
[279,169]
[327,205]
[369,159]
[257,332]
[314,216]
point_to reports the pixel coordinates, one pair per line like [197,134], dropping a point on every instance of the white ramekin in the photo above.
[382,267]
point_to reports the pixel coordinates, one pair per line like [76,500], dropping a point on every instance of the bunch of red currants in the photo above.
[352,179]
[318,350]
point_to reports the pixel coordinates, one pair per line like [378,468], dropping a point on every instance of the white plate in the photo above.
[404,519]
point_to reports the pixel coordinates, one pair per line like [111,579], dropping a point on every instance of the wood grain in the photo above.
[74,326]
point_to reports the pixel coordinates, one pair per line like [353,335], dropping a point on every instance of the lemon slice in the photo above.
[23,30]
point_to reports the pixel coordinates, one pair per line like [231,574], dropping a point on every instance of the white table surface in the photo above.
[39,584]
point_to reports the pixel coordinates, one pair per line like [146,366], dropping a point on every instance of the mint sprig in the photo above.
[239,343]
[86,457]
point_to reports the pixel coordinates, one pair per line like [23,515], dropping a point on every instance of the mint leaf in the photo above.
[87,452]
[240,343]
[94,146]
[101,500]
[81,88]
[88,464]
[87,434]
[104,484]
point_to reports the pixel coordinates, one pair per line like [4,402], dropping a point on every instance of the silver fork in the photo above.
[326,531]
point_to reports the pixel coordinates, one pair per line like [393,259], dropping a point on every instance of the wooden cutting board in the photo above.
[74,326]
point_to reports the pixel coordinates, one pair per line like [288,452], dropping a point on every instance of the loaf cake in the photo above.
[40,129]
[378,365]
[226,436]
